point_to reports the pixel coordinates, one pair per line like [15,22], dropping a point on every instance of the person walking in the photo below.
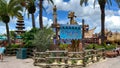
[2,50]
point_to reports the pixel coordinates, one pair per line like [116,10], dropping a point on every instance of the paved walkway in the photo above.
[12,62]
[108,63]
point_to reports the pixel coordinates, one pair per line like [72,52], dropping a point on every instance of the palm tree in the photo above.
[102,4]
[40,12]
[30,6]
[9,10]
[31,9]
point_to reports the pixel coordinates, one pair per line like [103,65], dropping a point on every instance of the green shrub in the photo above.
[14,46]
[94,46]
[63,46]
[110,47]
[42,39]
[90,46]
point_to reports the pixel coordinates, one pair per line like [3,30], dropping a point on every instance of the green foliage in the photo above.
[9,9]
[73,61]
[28,37]
[42,39]
[63,46]
[110,47]
[12,34]
[14,46]
[96,46]
[30,34]
[31,8]
[28,44]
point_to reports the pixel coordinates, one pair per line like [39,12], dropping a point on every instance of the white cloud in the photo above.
[112,23]
[119,12]
[28,28]
[89,13]
[63,21]
[1,24]
[46,21]
[2,29]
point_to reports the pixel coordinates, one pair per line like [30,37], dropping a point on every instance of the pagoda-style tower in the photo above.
[20,25]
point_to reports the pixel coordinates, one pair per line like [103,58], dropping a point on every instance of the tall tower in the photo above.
[55,25]
[20,25]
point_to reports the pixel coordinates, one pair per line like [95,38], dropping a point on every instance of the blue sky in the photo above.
[89,13]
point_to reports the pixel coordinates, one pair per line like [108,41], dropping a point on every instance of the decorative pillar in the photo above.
[55,25]
[71,15]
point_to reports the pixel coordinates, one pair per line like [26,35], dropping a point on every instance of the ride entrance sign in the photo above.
[70,31]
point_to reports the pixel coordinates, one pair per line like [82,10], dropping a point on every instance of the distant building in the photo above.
[20,25]
[112,37]
[3,38]
[89,36]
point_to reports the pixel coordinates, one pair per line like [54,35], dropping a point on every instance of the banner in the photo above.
[70,31]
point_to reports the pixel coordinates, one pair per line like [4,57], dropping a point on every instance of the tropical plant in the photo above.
[31,10]
[94,46]
[13,46]
[9,9]
[40,12]
[28,37]
[102,4]
[30,7]
[12,34]
[42,39]
[63,46]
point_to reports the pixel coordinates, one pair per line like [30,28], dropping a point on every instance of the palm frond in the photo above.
[10,8]
[94,3]
[50,1]
[118,3]
[3,9]
[13,3]
[17,11]
[83,2]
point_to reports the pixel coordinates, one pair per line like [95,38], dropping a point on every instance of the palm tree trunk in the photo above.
[102,8]
[8,34]
[103,26]
[40,14]
[33,20]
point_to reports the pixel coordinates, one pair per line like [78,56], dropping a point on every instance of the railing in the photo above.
[68,59]
[13,52]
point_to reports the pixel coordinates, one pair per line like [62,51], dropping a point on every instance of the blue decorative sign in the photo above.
[70,31]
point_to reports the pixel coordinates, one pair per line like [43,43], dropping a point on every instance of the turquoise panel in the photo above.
[70,31]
